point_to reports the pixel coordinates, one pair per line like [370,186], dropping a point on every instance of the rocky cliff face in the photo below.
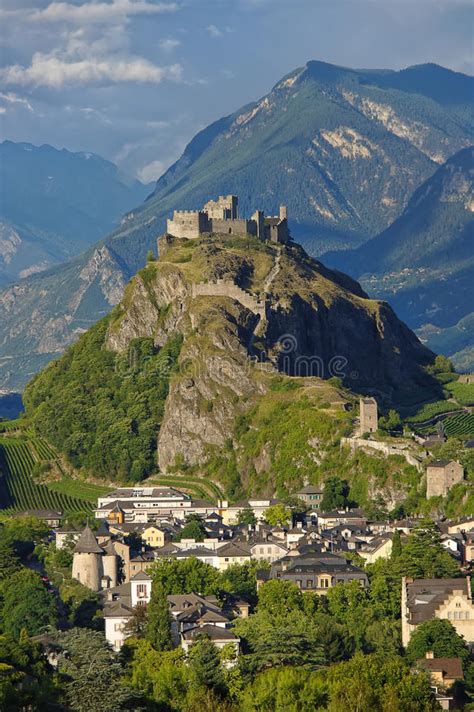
[318,324]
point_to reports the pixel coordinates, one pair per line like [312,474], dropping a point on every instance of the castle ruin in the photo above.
[222,216]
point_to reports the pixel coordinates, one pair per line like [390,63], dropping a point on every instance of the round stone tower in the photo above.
[87,565]
[110,566]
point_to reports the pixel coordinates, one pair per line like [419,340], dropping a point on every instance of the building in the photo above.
[329,520]
[369,421]
[222,216]
[311,496]
[444,672]
[314,572]
[425,599]
[50,517]
[93,565]
[380,547]
[441,475]
[119,604]
[466,378]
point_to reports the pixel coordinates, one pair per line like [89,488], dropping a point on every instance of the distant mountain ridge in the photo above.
[343,148]
[424,262]
[56,203]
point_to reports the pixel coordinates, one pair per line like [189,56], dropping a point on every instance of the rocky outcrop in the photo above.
[318,324]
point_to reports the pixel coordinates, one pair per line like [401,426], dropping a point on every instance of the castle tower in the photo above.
[283,212]
[369,421]
[259,218]
[87,561]
[110,566]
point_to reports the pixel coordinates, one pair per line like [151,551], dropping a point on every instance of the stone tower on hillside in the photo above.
[369,421]
[87,565]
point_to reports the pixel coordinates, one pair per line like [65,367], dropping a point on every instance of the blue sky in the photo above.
[133,80]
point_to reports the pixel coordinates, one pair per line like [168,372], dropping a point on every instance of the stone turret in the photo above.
[110,566]
[87,566]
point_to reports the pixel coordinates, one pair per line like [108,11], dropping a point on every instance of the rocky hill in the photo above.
[424,262]
[222,354]
[55,204]
[343,148]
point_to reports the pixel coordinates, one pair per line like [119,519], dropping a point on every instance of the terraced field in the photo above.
[460,426]
[197,486]
[18,491]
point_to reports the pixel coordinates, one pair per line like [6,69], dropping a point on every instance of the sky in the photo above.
[134,80]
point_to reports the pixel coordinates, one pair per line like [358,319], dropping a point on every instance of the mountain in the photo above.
[54,204]
[424,262]
[191,355]
[343,148]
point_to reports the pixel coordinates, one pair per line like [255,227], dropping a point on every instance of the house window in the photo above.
[450,615]
[458,605]
[141,590]
[309,583]
[118,626]
[298,583]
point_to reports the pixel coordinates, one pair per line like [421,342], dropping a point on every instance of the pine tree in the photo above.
[424,556]
[205,666]
[158,629]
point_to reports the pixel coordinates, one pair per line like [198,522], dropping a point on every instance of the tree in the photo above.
[24,680]
[27,604]
[247,516]
[279,597]
[284,689]
[273,641]
[335,494]
[396,544]
[9,562]
[240,579]
[205,666]
[439,636]
[158,629]
[136,626]
[391,422]
[95,676]
[424,556]
[277,515]
[193,529]
[177,576]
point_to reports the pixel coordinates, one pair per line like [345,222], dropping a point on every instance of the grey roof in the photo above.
[214,632]
[116,609]
[141,576]
[310,489]
[424,596]
[87,543]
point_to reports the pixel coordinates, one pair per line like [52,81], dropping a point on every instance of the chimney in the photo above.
[429,655]
[283,212]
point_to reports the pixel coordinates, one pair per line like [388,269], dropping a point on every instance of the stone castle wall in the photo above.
[226,288]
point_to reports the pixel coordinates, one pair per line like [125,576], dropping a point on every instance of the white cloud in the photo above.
[56,72]
[169,44]
[152,171]
[91,12]
[11,98]
[214,31]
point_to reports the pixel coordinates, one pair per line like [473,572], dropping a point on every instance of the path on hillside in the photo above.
[259,326]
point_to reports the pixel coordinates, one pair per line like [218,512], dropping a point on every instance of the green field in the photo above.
[18,491]
[197,486]
[463,392]
[429,410]
[460,425]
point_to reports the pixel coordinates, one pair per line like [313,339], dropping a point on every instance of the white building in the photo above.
[118,608]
